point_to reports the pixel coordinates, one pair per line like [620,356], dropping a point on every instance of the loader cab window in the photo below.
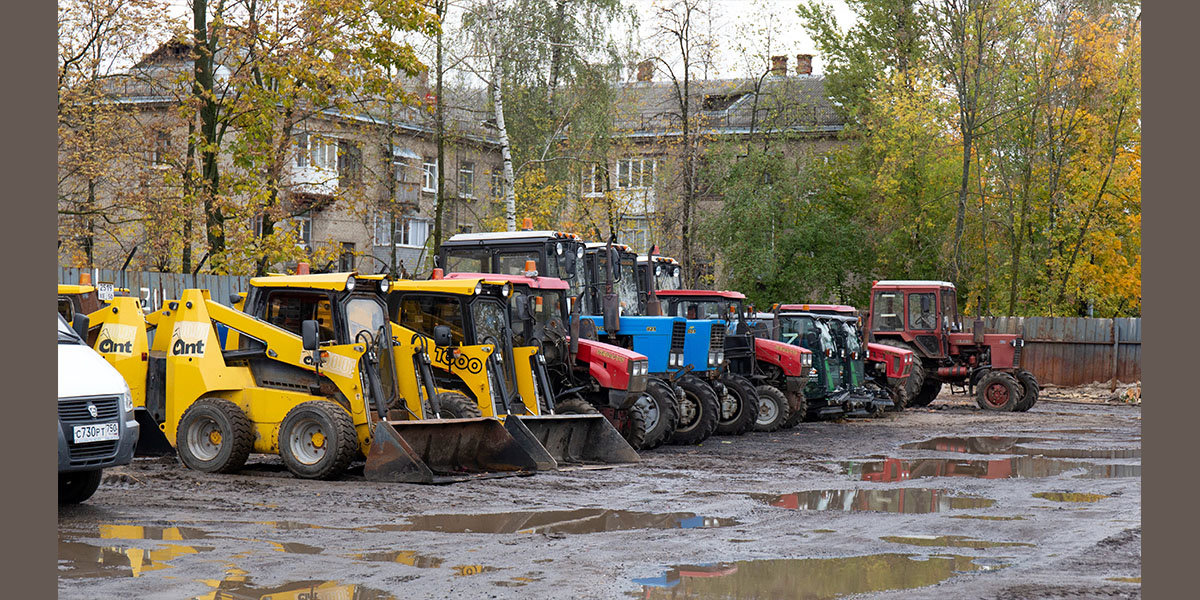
[423,312]
[287,310]
[667,277]
[364,314]
[65,308]
[489,320]
[464,260]
[850,333]
[888,311]
[922,311]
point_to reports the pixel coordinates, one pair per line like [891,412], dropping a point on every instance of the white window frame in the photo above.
[429,176]
[316,152]
[466,168]
[590,189]
[636,173]
[303,223]
[407,226]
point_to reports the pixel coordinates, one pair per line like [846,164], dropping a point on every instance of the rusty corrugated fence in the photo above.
[1076,350]
[155,288]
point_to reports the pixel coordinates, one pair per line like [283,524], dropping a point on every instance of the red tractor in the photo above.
[922,316]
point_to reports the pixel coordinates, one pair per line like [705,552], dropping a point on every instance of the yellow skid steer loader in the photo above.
[319,394]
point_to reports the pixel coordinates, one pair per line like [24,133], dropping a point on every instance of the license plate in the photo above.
[101,432]
[104,291]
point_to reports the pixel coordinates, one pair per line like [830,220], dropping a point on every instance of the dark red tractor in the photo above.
[922,316]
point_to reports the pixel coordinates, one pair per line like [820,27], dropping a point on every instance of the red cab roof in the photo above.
[537,283]
[701,293]
[819,308]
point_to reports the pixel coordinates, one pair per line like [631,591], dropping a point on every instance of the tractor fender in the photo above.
[784,356]
[606,363]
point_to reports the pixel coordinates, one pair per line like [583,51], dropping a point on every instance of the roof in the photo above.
[729,106]
[464,286]
[913,282]
[657,258]
[504,235]
[537,283]
[819,308]
[703,293]
[594,245]
[324,281]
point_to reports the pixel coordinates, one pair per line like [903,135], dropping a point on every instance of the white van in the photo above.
[96,426]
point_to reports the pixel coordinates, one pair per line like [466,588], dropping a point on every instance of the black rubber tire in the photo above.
[900,397]
[916,377]
[340,445]
[929,392]
[456,405]
[663,397]
[703,399]
[1031,387]
[799,408]
[237,435]
[746,412]
[76,486]
[769,397]
[1010,394]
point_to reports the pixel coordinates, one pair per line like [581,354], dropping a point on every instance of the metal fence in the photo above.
[1074,350]
[155,288]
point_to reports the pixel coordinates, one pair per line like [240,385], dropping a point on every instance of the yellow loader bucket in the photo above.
[445,451]
[576,438]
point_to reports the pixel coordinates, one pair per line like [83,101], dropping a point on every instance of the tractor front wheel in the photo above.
[998,391]
[698,412]
[1031,387]
[658,406]
[773,408]
[916,377]
[455,405]
[214,436]
[739,406]
[317,440]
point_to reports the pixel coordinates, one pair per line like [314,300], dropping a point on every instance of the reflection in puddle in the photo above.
[809,578]
[905,500]
[1124,579]
[957,541]
[587,520]
[404,557]
[294,547]
[77,559]
[1032,446]
[987,517]
[146,532]
[1069,496]
[895,469]
[238,587]
[468,570]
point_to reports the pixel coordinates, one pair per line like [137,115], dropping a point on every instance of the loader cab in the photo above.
[347,307]
[668,275]
[921,313]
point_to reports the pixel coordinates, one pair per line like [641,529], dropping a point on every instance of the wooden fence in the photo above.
[1074,350]
[155,288]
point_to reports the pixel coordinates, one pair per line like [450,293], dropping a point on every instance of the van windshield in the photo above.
[66,335]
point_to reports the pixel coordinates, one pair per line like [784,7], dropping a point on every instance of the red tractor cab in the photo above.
[922,316]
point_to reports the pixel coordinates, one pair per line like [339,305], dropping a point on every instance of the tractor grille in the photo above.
[1017,354]
[678,330]
[716,342]
[74,412]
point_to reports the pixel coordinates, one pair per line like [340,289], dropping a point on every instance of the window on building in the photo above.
[303,224]
[497,186]
[409,230]
[301,149]
[346,259]
[593,180]
[466,180]
[349,163]
[635,233]
[430,169]
[162,148]
[316,151]
[635,173]
[404,169]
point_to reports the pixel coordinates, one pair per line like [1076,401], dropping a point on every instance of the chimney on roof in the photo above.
[645,70]
[779,65]
[804,64]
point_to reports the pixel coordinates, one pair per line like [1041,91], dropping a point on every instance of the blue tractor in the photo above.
[680,407]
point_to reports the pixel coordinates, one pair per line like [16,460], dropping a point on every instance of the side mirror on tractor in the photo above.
[310,340]
[81,324]
[442,336]
[522,307]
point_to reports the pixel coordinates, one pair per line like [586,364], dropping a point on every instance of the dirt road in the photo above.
[946,502]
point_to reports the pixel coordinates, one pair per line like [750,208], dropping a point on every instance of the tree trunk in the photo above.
[961,213]
[204,91]
[189,194]
[510,198]
[440,127]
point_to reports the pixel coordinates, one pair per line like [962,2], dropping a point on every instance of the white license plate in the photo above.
[101,432]
[105,291]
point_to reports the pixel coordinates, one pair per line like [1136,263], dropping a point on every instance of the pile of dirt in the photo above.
[1099,393]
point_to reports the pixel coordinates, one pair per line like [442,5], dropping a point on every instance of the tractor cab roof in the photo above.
[620,247]
[472,284]
[492,236]
[322,281]
[537,283]
[643,258]
[731,295]
[907,283]
[829,309]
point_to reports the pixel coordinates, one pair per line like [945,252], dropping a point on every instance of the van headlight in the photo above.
[127,400]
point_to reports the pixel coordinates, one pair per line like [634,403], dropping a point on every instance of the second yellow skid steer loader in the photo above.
[317,395]
[480,373]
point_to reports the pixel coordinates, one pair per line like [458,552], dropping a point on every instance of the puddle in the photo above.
[404,557]
[895,469]
[147,532]
[238,587]
[78,559]
[807,579]
[905,500]
[987,517]
[1032,446]
[1124,579]
[293,547]
[587,520]
[518,581]
[1069,496]
[956,541]
[469,570]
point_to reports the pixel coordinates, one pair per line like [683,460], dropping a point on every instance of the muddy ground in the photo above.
[1051,509]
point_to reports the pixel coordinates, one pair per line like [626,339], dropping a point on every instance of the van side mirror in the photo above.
[310,335]
[442,336]
[81,325]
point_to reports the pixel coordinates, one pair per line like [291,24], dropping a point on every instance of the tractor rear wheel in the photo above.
[698,412]
[998,391]
[317,440]
[739,406]
[658,407]
[916,377]
[900,397]
[455,405]
[214,436]
[1031,387]
[799,407]
[773,408]
[929,392]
